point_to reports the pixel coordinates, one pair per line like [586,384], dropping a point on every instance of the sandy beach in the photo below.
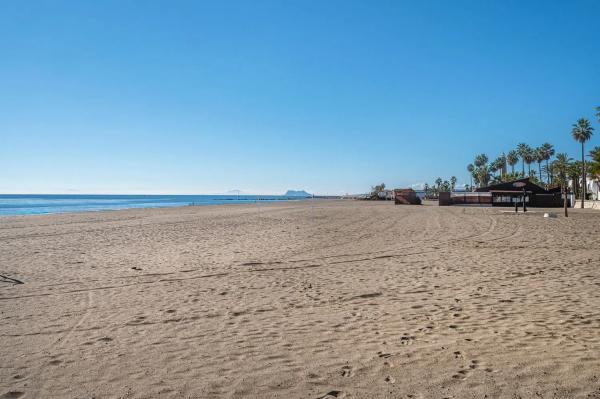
[313,299]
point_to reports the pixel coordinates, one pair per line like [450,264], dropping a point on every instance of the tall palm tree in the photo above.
[494,166]
[598,113]
[548,152]
[438,184]
[547,170]
[523,150]
[574,174]
[453,182]
[500,164]
[539,157]
[471,169]
[481,160]
[529,158]
[512,158]
[582,131]
[483,175]
[497,165]
[561,165]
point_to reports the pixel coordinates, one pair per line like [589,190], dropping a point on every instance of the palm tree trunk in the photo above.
[583,174]
[547,173]
[540,170]
[523,166]
[512,169]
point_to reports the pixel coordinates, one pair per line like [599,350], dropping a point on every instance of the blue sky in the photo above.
[328,96]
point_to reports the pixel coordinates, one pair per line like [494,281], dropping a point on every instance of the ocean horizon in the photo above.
[42,204]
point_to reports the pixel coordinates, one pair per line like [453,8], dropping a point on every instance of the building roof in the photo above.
[508,187]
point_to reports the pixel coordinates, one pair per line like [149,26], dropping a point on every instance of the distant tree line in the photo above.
[433,191]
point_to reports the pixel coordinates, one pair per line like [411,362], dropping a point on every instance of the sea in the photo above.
[24,204]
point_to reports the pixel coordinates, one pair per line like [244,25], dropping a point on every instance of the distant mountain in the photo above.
[299,193]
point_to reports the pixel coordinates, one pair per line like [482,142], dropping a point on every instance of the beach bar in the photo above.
[509,193]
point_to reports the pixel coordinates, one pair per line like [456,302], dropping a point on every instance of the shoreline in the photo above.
[218,201]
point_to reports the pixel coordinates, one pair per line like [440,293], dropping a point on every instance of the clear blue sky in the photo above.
[262,96]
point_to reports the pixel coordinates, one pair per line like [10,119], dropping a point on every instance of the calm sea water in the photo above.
[16,204]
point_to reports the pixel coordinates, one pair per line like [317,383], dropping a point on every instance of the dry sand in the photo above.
[301,300]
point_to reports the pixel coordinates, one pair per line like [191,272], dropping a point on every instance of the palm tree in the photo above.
[548,152]
[547,170]
[529,158]
[494,166]
[481,160]
[539,157]
[512,158]
[453,182]
[582,131]
[595,167]
[595,154]
[499,165]
[483,175]
[598,113]
[481,172]
[523,150]
[471,169]
[574,174]
[561,165]
[438,184]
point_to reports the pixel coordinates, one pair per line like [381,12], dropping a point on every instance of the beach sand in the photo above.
[306,299]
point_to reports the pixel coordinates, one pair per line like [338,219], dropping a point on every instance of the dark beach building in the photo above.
[506,194]
[406,196]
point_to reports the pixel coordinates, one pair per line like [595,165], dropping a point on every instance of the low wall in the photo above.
[588,204]
[466,198]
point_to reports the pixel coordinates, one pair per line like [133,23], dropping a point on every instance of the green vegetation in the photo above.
[582,132]
[561,166]
[375,190]
[433,191]
[549,173]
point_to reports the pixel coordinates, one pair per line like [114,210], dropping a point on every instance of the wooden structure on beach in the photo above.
[406,196]
[507,194]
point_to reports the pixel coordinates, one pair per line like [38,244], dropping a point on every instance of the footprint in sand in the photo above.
[461,374]
[347,371]
[332,394]
[406,340]
[12,395]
